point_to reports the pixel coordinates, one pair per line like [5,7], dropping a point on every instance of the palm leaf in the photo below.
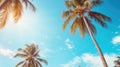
[23,50]
[99,17]
[5,4]
[70,17]
[71,4]
[43,60]
[17,10]
[81,26]
[36,64]
[20,63]
[74,26]
[92,27]
[20,55]
[39,63]
[3,19]
[66,13]
[97,2]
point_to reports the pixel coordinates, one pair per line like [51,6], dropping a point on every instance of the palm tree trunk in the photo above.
[95,43]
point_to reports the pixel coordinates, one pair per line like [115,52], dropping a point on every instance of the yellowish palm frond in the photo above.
[71,4]
[81,26]
[4,13]
[17,10]
[70,17]
[66,13]
[3,18]
[74,25]
[14,6]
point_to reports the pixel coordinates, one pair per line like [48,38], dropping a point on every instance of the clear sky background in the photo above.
[61,49]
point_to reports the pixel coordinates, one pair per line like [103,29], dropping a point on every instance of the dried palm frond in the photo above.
[71,16]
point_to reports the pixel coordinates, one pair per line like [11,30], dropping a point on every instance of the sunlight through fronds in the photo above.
[13,6]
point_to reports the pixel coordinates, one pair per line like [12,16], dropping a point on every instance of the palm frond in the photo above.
[31,5]
[20,55]
[66,13]
[74,25]
[3,19]
[23,50]
[43,60]
[39,63]
[97,2]
[71,3]
[81,26]
[17,10]
[70,17]
[28,3]
[36,64]
[20,63]
[92,27]
[5,4]
[25,64]
[99,17]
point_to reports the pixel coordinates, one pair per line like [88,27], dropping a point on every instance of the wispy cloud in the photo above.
[69,43]
[72,63]
[116,40]
[6,52]
[91,60]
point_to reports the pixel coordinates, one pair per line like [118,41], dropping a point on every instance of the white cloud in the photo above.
[95,61]
[72,63]
[68,43]
[6,52]
[116,40]
[91,60]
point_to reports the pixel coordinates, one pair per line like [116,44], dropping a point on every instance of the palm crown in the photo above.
[79,8]
[79,11]
[12,6]
[31,56]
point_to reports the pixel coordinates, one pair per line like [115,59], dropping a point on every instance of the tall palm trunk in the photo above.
[95,43]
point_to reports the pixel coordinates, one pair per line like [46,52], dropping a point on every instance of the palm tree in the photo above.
[117,62]
[31,56]
[79,11]
[12,6]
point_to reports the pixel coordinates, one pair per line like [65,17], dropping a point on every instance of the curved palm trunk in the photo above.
[96,44]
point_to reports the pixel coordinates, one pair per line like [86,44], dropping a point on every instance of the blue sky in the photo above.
[61,49]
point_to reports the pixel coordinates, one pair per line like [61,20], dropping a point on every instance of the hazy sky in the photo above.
[61,49]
